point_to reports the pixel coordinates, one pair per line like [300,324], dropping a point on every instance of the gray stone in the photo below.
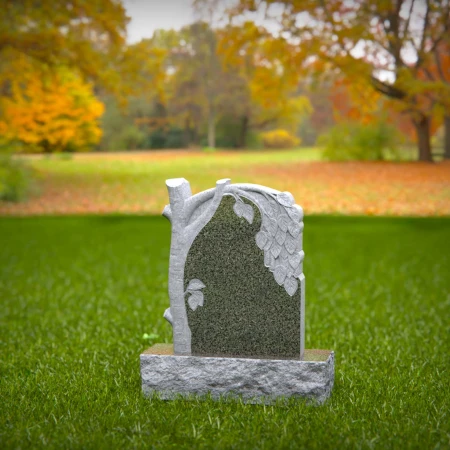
[237,299]
[236,271]
[253,380]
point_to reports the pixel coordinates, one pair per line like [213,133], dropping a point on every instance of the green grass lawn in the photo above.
[77,295]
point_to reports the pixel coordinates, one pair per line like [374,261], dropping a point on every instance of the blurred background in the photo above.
[103,100]
[343,103]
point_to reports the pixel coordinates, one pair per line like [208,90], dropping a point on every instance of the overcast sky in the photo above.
[149,15]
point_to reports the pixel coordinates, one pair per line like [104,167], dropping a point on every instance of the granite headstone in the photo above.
[237,295]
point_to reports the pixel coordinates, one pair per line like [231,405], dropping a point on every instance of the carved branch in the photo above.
[179,192]
[167,213]
[194,228]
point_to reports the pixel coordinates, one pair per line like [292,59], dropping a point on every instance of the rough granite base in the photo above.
[253,380]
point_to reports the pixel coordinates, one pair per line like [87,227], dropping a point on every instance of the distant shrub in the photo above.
[131,138]
[174,138]
[279,139]
[356,141]
[254,140]
[16,179]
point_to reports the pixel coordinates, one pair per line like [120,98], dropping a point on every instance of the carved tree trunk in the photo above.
[179,191]
[182,205]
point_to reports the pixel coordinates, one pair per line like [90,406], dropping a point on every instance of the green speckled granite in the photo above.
[245,312]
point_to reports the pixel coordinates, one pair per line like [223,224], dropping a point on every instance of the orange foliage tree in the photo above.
[50,112]
[352,101]
[364,40]
[87,35]
[265,76]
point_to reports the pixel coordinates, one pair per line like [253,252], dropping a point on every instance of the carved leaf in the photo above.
[291,285]
[294,229]
[272,226]
[283,221]
[238,208]
[267,211]
[269,260]
[261,239]
[280,236]
[279,274]
[284,254]
[274,206]
[248,213]
[195,285]
[275,249]
[195,300]
[268,243]
[295,259]
[297,271]
[290,243]
[295,213]
[285,199]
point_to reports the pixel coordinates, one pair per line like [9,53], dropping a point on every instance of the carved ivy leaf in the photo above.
[261,239]
[291,285]
[297,271]
[285,199]
[280,274]
[267,211]
[274,206]
[195,300]
[239,207]
[272,227]
[268,243]
[280,236]
[283,221]
[275,249]
[248,213]
[295,259]
[294,229]
[269,260]
[295,213]
[290,243]
[195,285]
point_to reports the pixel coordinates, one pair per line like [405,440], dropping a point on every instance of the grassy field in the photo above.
[78,294]
[135,182]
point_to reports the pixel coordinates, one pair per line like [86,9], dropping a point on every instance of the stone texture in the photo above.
[254,380]
[244,312]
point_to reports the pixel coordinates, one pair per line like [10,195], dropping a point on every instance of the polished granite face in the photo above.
[235,307]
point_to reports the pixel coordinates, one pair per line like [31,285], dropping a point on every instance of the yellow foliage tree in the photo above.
[50,112]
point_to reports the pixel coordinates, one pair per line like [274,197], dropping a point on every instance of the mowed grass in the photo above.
[78,293]
[135,182]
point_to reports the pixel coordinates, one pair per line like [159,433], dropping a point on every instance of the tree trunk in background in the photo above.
[447,137]
[244,131]
[423,138]
[186,134]
[211,125]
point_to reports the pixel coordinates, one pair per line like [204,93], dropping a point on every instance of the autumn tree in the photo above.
[384,43]
[55,111]
[196,83]
[261,89]
[85,35]
[436,77]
